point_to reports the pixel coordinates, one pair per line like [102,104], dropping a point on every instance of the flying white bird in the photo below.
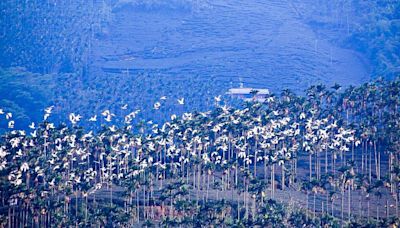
[181,101]
[46,115]
[105,112]
[113,128]
[32,125]
[1,111]
[11,124]
[173,117]
[34,134]
[124,107]
[108,118]
[8,115]
[93,118]
[225,109]
[217,98]
[157,105]
[74,118]
[48,110]
[163,98]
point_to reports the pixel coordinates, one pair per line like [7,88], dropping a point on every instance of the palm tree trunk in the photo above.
[349,203]
[387,209]
[327,203]
[314,204]
[208,186]
[138,205]
[151,197]
[362,157]
[307,203]
[342,205]
[310,164]
[273,181]
[86,209]
[333,164]
[352,151]
[379,165]
[255,159]
[370,166]
[283,177]
[326,160]
[238,209]
[245,196]
[9,218]
[377,210]
[376,161]
[397,204]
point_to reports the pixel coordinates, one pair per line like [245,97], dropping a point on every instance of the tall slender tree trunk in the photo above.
[273,181]
[283,177]
[310,164]
[342,205]
[349,203]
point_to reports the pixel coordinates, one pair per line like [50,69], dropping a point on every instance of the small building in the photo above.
[247,93]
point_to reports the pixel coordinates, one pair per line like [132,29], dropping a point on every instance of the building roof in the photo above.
[242,91]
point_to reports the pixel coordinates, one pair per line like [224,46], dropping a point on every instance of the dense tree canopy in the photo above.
[228,165]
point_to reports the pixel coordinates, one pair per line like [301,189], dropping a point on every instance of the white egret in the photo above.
[46,116]
[113,128]
[181,101]
[48,110]
[157,105]
[93,118]
[173,117]
[74,118]
[3,152]
[32,125]
[108,118]
[24,167]
[3,165]
[11,124]
[9,115]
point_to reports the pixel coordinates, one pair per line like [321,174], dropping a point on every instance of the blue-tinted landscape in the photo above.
[197,113]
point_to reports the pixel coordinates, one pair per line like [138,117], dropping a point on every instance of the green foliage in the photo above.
[50,36]
[272,214]
[299,218]
[377,35]
[24,94]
